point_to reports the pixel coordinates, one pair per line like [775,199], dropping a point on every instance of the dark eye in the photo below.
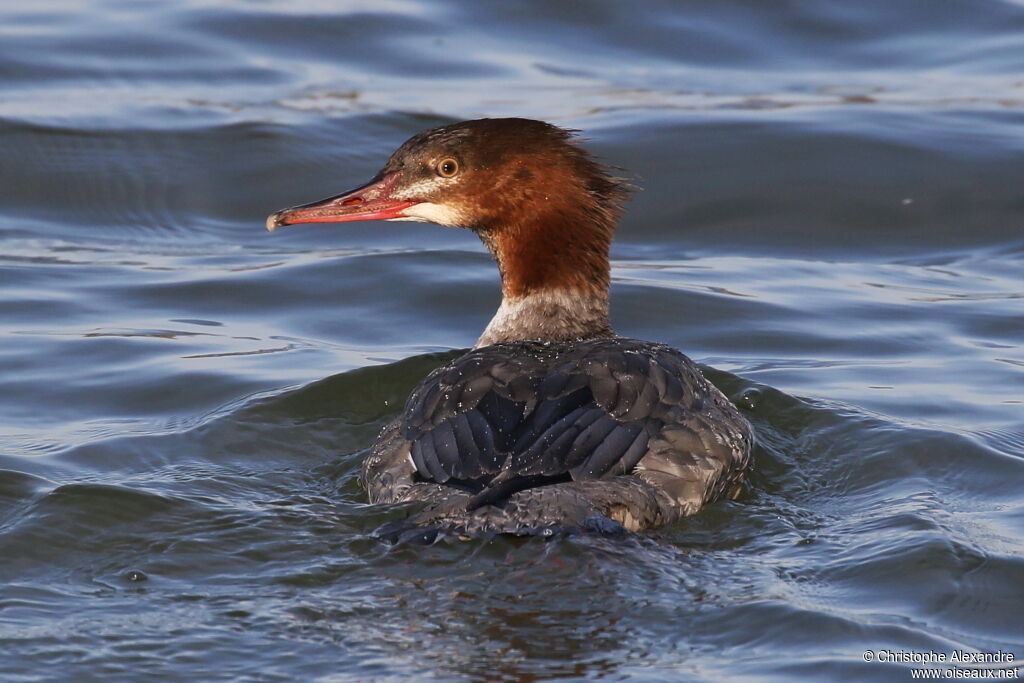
[446,168]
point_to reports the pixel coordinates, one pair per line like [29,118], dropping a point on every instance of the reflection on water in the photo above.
[829,222]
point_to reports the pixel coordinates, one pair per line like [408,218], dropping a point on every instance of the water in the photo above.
[831,221]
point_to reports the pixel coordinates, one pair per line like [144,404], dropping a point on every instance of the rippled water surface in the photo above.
[831,221]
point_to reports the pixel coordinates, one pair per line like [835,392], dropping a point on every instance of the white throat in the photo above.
[554,315]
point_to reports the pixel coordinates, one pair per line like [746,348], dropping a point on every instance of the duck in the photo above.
[552,422]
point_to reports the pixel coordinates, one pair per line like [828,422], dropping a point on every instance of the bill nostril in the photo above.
[354,201]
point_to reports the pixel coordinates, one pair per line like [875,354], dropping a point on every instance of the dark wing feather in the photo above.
[513,416]
[548,412]
[449,460]
[486,452]
[585,443]
[426,460]
[551,452]
[610,452]
[469,450]
[503,416]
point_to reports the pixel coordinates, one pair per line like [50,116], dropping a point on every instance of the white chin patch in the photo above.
[431,213]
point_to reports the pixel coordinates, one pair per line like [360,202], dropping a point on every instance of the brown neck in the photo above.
[554,278]
[542,257]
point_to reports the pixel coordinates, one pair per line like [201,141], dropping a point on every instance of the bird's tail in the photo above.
[604,506]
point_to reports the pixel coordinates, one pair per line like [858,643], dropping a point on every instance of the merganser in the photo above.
[552,421]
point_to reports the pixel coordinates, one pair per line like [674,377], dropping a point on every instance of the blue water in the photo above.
[830,220]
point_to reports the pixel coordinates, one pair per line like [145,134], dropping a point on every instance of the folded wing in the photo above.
[513,416]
